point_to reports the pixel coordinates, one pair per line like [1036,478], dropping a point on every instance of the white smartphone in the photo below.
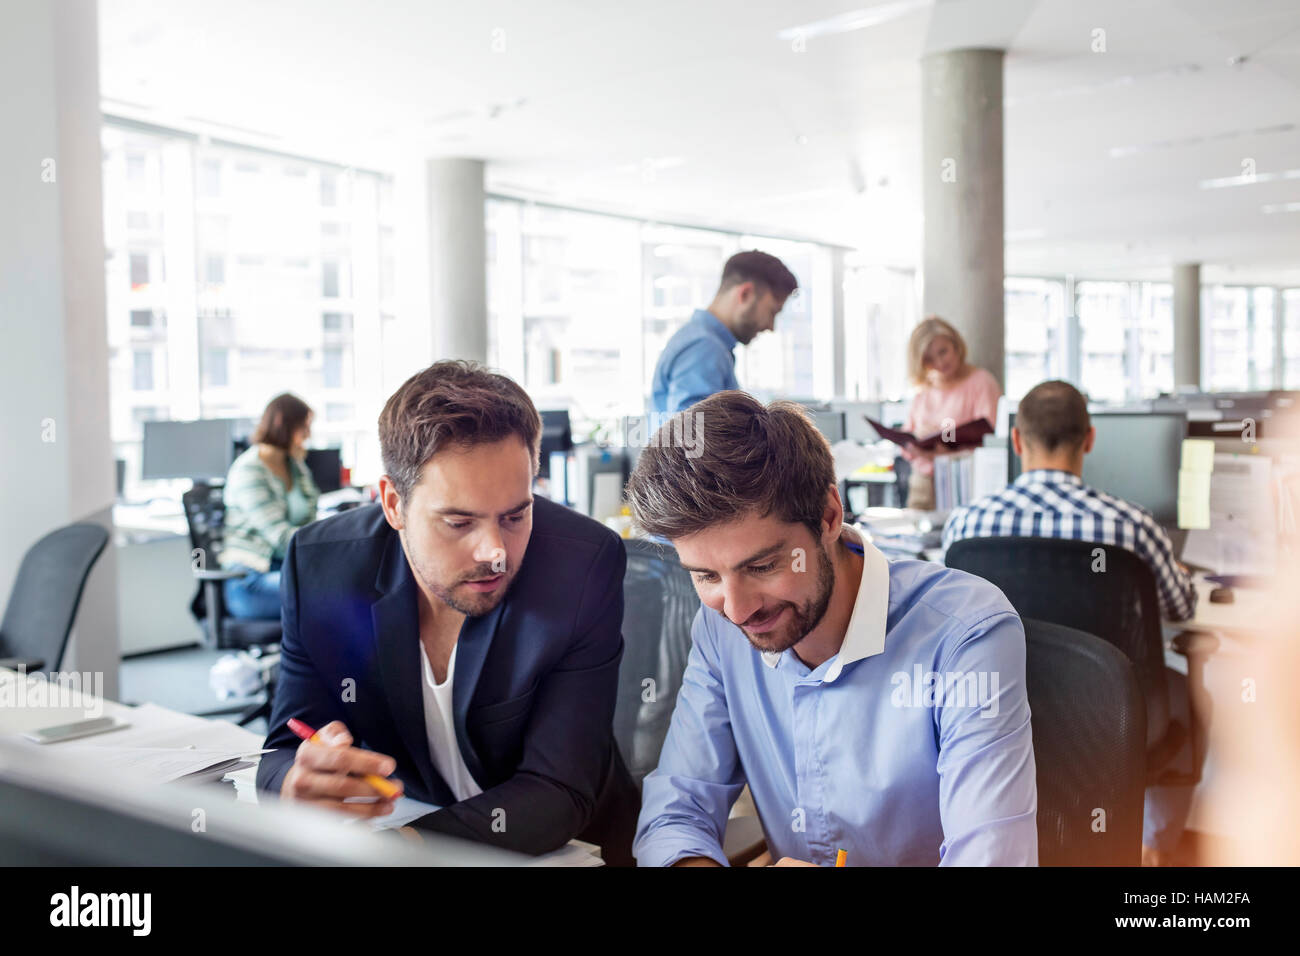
[80,728]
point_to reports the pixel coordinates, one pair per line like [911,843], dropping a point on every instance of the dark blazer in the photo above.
[536,678]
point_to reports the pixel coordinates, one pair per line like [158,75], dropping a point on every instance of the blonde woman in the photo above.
[950,389]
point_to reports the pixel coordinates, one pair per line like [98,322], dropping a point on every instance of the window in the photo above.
[330,279]
[1225,331]
[136,168]
[783,363]
[1126,339]
[580,306]
[1291,338]
[329,193]
[137,220]
[1035,333]
[251,310]
[680,269]
[142,375]
[332,368]
[1104,326]
[139,270]
[1260,338]
[216,367]
[209,179]
[1155,340]
[881,307]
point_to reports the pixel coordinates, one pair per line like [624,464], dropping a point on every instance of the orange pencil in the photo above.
[386,787]
[841,857]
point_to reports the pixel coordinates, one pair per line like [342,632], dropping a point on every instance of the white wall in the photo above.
[54,424]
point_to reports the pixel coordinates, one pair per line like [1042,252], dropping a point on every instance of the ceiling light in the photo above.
[854,20]
[1118,152]
[1227,181]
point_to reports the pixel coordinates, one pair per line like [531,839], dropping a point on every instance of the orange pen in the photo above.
[386,787]
[841,857]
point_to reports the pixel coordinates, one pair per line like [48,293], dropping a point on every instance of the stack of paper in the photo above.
[407,809]
[154,765]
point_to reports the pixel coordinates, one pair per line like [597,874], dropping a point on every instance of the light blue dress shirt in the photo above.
[697,361]
[911,746]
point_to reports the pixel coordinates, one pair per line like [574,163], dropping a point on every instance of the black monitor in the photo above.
[200,450]
[830,424]
[325,465]
[54,812]
[1137,456]
[557,435]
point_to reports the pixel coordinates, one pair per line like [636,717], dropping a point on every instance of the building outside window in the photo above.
[271,252]
[1035,330]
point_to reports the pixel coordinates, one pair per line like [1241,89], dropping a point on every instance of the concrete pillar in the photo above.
[457,258]
[1187,324]
[962,190]
[838,337]
[54,422]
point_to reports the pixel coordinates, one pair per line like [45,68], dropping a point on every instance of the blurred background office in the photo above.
[208,205]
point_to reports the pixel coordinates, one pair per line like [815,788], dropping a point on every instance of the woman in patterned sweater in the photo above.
[269,494]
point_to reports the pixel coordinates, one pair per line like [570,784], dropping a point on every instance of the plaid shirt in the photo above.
[1057,504]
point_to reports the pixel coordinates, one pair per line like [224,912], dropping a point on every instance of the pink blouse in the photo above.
[975,396]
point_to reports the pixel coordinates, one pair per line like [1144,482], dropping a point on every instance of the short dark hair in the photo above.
[452,403]
[1053,415]
[749,459]
[760,268]
[283,415]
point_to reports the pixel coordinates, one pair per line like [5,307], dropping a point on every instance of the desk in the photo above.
[170,728]
[1221,658]
[1247,612]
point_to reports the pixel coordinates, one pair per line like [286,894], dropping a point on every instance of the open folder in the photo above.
[966,435]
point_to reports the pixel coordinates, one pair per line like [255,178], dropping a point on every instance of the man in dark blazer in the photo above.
[459,635]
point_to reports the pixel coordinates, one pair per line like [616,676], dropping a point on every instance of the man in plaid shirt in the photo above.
[1049,500]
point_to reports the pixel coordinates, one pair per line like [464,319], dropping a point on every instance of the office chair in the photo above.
[659,606]
[1053,580]
[43,603]
[204,514]
[1089,726]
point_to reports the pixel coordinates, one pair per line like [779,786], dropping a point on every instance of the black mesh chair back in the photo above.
[1089,726]
[659,605]
[1063,582]
[205,513]
[46,593]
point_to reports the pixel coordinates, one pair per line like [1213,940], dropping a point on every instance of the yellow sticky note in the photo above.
[1198,455]
[1193,499]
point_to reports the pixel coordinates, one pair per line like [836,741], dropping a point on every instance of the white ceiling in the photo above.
[697,111]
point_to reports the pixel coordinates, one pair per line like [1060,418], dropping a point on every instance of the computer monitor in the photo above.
[54,812]
[557,435]
[200,450]
[855,419]
[1136,457]
[830,424]
[325,465]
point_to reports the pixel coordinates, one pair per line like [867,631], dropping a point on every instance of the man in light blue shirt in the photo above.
[698,360]
[873,707]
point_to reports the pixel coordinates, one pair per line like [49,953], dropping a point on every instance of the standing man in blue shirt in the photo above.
[873,707]
[698,360]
